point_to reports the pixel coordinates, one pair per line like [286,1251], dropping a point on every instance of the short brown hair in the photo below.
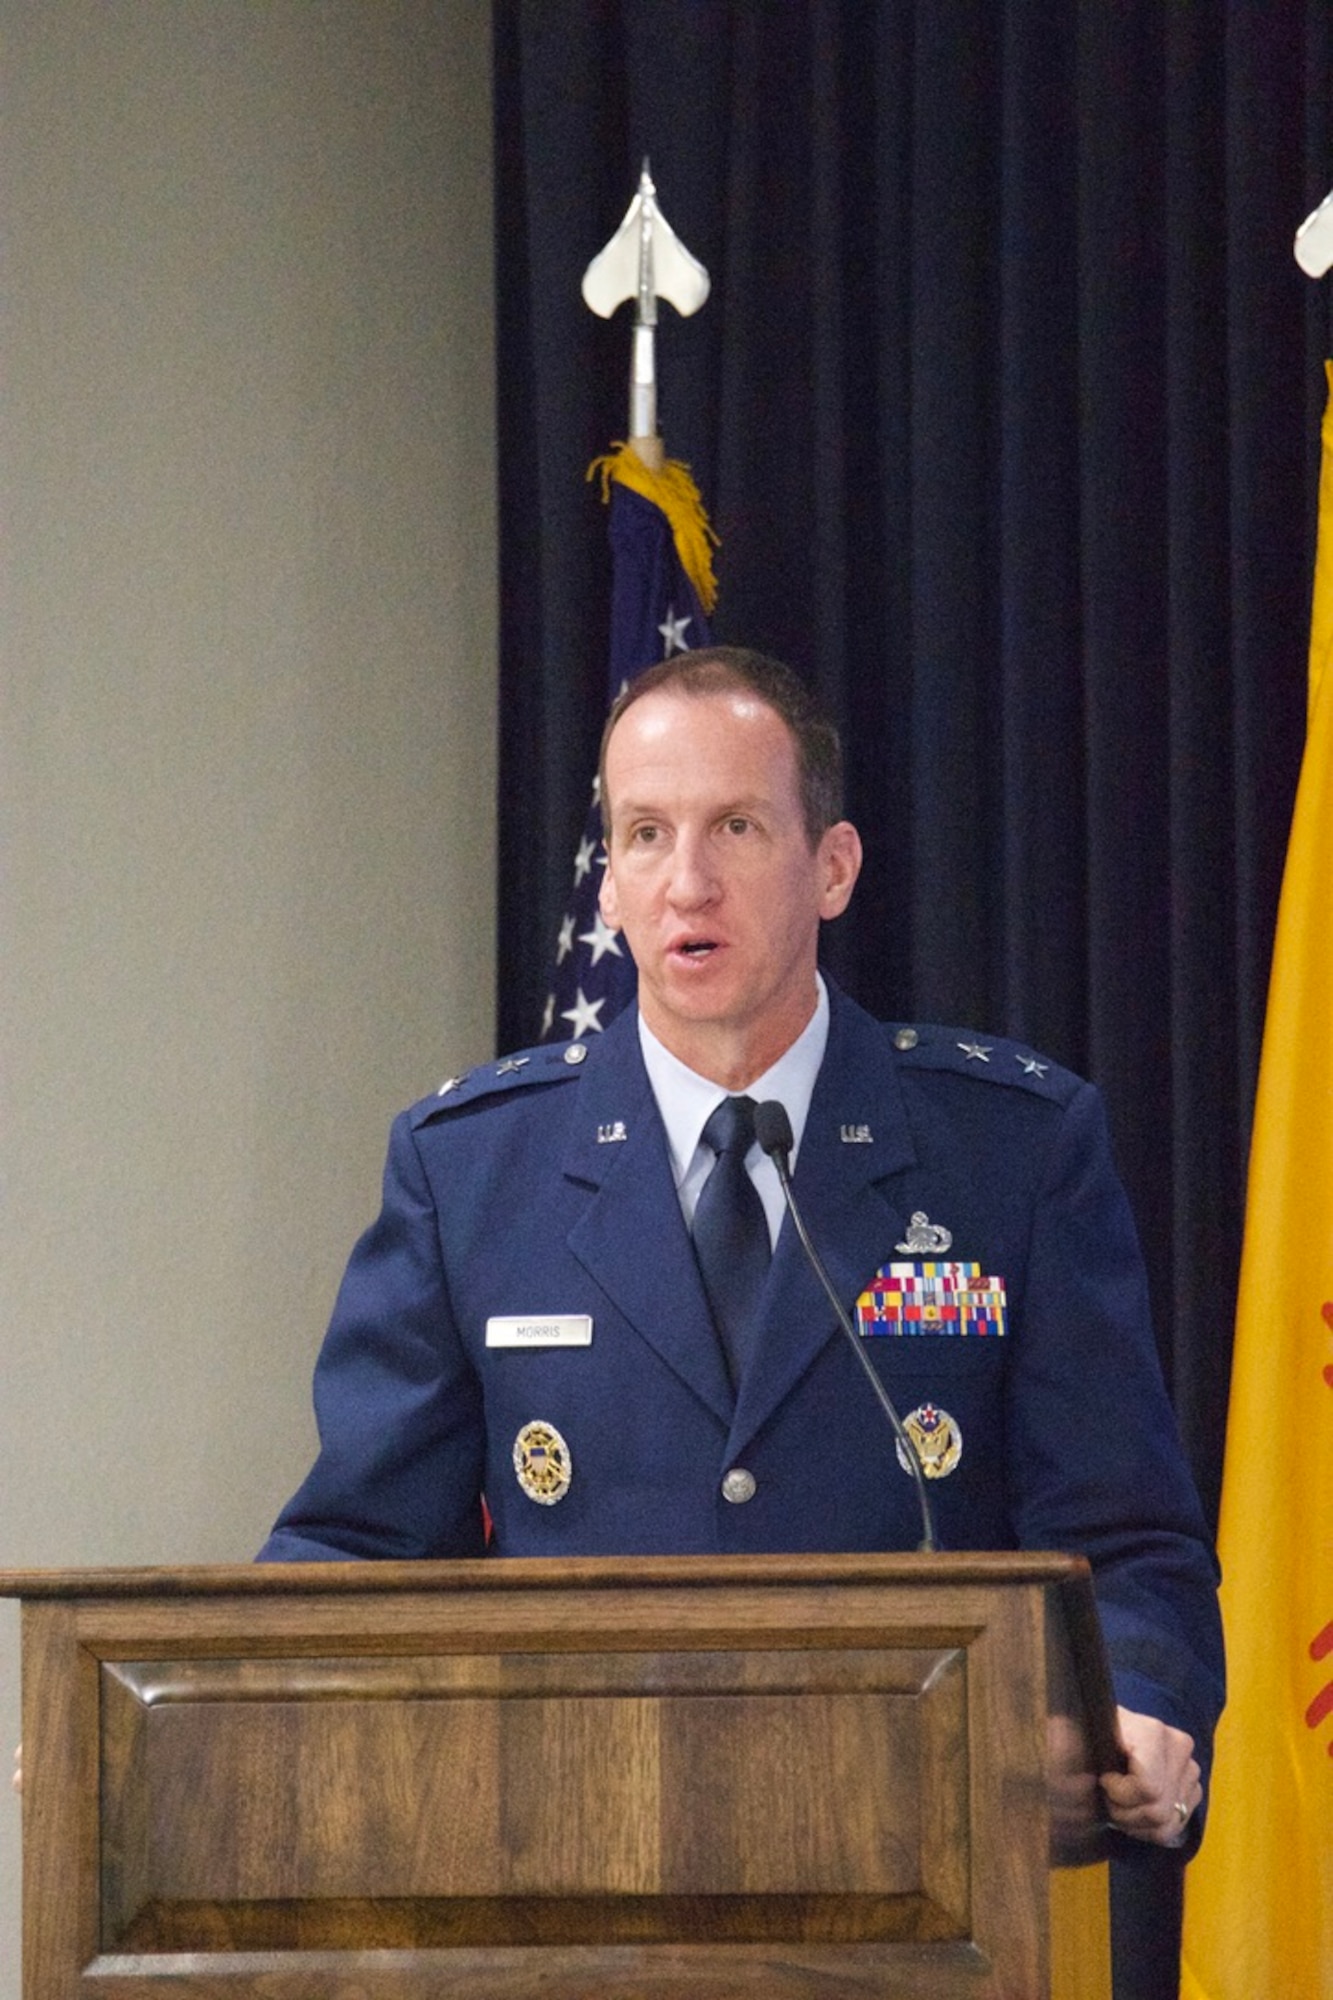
[727,669]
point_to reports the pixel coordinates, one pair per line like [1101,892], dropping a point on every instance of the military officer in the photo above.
[540,1315]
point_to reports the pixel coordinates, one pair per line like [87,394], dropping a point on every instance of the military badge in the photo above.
[937,1438]
[543,1463]
[925,1238]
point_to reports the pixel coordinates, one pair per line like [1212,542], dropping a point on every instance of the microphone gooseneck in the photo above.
[772,1129]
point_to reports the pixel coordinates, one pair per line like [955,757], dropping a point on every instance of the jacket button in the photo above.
[738,1486]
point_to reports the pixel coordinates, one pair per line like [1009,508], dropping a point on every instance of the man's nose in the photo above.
[693,875]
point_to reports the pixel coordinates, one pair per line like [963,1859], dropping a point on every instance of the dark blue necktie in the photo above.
[731,1230]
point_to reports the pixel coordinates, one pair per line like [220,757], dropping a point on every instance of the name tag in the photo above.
[540,1330]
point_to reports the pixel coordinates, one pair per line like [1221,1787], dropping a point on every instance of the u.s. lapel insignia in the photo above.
[856,1135]
[543,1463]
[613,1134]
[936,1438]
[925,1238]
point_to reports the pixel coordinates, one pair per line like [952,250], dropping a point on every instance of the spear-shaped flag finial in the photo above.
[644,261]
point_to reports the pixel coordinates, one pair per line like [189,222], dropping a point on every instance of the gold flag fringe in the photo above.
[674,491]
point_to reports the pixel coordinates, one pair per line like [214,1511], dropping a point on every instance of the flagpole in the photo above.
[662,585]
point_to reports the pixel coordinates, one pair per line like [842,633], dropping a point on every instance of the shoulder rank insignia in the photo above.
[543,1463]
[936,1438]
[992,1057]
[543,1065]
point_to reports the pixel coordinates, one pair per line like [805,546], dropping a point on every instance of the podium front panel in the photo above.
[801,1775]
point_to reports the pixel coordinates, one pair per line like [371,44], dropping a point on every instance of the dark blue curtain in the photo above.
[1006,409]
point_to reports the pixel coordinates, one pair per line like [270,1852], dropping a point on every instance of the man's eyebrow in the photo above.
[754,802]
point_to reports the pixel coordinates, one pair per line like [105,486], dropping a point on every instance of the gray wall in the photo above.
[246,727]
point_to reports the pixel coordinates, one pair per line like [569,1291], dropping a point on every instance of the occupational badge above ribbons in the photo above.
[543,1463]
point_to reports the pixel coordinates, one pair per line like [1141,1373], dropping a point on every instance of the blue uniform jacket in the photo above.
[541,1186]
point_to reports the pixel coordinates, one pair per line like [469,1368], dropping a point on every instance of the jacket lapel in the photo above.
[856,1136]
[631,1238]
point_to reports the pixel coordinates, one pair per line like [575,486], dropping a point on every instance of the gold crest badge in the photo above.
[543,1463]
[937,1438]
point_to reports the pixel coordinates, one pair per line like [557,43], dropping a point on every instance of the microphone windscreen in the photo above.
[772,1127]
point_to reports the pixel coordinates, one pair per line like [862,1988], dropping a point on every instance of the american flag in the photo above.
[661,580]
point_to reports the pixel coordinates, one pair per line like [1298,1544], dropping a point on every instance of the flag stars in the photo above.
[564,944]
[601,938]
[673,630]
[582,1016]
[584,859]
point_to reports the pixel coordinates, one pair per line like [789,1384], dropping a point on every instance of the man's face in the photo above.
[712,878]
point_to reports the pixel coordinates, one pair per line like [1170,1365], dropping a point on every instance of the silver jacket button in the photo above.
[738,1486]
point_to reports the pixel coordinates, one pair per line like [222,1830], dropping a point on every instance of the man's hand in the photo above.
[1155,1798]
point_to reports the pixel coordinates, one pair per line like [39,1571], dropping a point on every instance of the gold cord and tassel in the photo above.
[671,488]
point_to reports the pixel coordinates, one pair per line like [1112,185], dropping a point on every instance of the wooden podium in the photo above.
[796,1775]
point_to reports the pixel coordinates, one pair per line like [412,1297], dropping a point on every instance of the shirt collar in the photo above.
[687,1100]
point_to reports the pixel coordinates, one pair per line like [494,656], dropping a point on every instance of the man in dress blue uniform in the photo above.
[529,1319]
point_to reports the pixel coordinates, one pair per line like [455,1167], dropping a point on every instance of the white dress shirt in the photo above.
[687,1101]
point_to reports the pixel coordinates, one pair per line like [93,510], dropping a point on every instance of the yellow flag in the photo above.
[1259,1898]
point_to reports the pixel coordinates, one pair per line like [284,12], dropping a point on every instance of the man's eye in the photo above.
[738,824]
[644,836]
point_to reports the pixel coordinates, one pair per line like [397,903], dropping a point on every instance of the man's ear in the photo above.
[840,858]
[608,902]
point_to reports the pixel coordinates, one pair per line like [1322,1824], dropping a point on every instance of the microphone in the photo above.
[772,1128]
